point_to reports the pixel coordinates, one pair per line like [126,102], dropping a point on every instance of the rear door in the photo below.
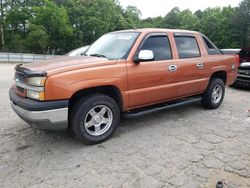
[191,68]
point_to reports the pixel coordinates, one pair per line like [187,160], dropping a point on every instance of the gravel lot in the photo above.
[185,147]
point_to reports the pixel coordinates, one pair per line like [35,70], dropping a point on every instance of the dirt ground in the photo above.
[185,147]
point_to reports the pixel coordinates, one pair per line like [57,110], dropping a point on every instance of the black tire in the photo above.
[82,109]
[207,97]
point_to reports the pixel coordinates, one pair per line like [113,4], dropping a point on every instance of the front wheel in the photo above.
[214,94]
[94,118]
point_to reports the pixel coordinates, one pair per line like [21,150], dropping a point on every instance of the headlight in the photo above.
[35,88]
[36,81]
[35,95]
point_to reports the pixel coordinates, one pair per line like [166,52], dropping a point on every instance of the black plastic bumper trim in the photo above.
[33,105]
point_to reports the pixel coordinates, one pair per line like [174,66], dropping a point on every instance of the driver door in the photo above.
[153,81]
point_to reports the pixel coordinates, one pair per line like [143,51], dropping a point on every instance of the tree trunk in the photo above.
[1,27]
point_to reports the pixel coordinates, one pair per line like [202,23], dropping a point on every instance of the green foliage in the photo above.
[217,24]
[172,19]
[54,19]
[242,22]
[189,21]
[57,26]
[15,44]
[132,16]
[157,22]
[37,40]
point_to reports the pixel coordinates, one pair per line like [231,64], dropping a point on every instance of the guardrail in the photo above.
[22,57]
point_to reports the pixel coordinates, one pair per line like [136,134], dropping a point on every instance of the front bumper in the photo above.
[51,115]
[243,78]
[244,82]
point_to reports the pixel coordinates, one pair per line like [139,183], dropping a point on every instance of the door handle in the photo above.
[172,68]
[200,65]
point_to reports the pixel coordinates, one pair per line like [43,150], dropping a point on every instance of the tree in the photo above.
[57,26]
[157,22]
[1,24]
[54,19]
[37,40]
[242,22]
[188,20]
[132,15]
[172,19]
[198,13]
[92,18]
[15,43]
[216,23]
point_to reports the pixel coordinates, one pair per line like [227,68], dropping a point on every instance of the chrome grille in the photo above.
[20,78]
[244,72]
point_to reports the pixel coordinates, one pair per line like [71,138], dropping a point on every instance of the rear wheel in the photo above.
[94,118]
[214,94]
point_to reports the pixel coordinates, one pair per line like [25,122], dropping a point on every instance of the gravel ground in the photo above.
[185,147]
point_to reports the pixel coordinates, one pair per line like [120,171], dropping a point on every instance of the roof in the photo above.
[146,30]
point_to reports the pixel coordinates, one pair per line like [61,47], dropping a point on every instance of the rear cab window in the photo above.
[211,48]
[159,44]
[244,53]
[187,46]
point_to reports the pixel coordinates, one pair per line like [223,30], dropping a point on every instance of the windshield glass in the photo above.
[78,51]
[113,45]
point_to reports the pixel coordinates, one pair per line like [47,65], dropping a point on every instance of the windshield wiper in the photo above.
[84,54]
[98,55]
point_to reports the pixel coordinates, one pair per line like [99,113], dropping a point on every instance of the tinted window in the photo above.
[187,47]
[244,53]
[160,46]
[211,48]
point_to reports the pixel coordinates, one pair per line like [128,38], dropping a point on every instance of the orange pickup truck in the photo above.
[130,72]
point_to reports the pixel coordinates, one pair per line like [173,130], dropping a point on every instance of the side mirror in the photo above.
[145,55]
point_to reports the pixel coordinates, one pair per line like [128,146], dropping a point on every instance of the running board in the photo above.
[165,106]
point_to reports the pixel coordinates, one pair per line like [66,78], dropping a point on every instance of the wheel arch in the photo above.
[220,74]
[109,90]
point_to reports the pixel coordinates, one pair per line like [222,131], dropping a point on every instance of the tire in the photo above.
[94,118]
[209,97]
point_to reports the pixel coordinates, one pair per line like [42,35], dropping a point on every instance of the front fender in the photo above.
[64,85]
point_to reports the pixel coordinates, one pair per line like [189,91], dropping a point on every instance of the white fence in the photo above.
[22,58]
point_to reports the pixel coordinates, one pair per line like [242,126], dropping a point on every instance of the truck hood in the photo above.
[66,63]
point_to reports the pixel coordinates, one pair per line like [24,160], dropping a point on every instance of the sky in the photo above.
[153,8]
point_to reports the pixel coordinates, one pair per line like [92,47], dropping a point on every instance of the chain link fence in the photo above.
[23,58]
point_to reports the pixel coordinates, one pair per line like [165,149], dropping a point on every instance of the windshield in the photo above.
[113,45]
[78,51]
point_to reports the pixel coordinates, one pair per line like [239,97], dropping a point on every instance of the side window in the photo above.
[211,48]
[243,53]
[187,47]
[248,54]
[160,46]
